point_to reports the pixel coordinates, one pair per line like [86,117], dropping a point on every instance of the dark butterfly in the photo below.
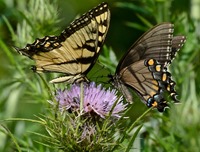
[75,50]
[144,67]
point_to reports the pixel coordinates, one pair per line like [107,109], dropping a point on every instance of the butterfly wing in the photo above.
[144,66]
[155,43]
[75,51]
[177,43]
[151,81]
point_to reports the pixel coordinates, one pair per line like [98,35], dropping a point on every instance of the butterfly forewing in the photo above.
[177,43]
[155,43]
[76,49]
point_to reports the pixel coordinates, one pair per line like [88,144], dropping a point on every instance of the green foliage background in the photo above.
[23,95]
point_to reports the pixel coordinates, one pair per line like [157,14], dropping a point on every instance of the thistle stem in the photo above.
[81,97]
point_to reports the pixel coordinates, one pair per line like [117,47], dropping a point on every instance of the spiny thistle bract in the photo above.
[91,127]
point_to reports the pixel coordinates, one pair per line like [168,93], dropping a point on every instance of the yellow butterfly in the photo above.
[75,50]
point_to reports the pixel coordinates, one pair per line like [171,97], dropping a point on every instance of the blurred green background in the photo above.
[23,95]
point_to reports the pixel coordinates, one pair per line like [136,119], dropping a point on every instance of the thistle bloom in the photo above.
[95,100]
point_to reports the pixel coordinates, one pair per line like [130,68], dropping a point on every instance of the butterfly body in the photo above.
[75,50]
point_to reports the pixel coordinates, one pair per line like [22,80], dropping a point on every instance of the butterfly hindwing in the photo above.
[150,80]
[164,83]
[75,50]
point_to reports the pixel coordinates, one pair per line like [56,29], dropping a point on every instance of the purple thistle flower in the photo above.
[96,99]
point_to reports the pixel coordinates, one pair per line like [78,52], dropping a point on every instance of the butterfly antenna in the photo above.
[16,49]
[97,73]
[102,65]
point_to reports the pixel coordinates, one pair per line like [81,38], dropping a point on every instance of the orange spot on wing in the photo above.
[164,77]
[47,44]
[151,62]
[155,104]
[168,88]
[158,68]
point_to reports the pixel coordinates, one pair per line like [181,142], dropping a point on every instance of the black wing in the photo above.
[144,66]
[155,43]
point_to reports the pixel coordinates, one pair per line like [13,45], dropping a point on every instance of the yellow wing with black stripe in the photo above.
[75,50]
